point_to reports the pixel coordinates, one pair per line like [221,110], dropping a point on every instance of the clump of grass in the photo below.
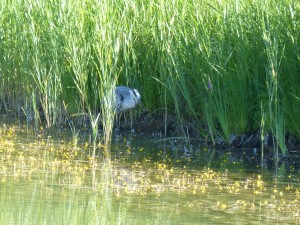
[276,121]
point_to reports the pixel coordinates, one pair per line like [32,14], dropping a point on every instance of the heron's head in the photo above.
[137,96]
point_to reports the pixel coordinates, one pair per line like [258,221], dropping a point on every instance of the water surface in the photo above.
[51,179]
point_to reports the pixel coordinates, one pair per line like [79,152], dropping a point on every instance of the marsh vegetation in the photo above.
[226,67]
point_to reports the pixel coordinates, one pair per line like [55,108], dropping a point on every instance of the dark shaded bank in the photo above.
[247,140]
[248,148]
[183,141]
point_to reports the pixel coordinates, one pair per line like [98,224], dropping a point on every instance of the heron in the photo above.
[127,98]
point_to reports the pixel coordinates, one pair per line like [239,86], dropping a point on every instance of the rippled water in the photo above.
[53,180]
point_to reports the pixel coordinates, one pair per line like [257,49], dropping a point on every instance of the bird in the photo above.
[127,98]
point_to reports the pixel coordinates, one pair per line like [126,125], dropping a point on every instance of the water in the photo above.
[52,180]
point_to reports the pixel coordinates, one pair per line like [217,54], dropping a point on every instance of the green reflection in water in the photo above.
[45,181]
[34,203]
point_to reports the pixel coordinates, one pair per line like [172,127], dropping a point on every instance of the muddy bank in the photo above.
[248,147]
[170,128]
[246,140]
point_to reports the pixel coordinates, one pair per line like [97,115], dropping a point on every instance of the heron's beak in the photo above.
[142,105]
[144,112]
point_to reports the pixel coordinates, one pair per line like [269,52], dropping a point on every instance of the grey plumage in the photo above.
[127,98]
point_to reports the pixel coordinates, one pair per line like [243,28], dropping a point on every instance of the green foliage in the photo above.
[71,54]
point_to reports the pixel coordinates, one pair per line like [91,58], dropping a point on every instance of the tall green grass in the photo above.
[67,56]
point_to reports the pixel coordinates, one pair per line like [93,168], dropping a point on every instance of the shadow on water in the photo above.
[196,155]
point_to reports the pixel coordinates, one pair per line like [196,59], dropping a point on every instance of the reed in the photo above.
[274,89]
